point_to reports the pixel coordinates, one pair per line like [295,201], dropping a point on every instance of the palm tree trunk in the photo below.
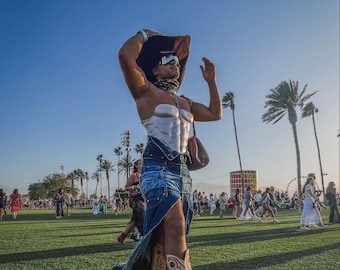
[118,171]
[317,145]
[96,187]
[238,151]
[298,160]
[108,185]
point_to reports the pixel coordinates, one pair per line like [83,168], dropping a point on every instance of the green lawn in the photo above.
[37,240]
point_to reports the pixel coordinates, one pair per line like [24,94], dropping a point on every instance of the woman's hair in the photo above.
[15,194]
[309,179]
[135,166]
[330,187]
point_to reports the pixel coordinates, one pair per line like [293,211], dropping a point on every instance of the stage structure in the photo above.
[250,179]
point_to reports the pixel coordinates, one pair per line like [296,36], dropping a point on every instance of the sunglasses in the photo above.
[166,59]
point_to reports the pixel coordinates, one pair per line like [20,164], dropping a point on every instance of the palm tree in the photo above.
[118,151]
[80,175]
[309,110]
[71,176]
[139,148]
[282,100]
[125,165]
[107,167]
[100,158]
[95,176]
[228,101]
[87,183]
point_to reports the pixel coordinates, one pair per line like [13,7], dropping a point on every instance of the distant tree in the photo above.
[107,167]
[228,101]
[53,182]
[309,110]
[126,165]
[100,158]
[80,174]
[95,176]
[282,100]
[37,191]
[139,148]
[87,183]
[71,177]
[118,151]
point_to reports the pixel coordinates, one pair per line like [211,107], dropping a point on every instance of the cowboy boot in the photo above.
[158,259]
[175,263]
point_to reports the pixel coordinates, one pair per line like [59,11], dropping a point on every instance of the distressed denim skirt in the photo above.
[165,179]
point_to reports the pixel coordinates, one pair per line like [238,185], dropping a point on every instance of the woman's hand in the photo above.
[208,71]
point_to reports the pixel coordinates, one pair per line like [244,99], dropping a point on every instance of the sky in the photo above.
[63,98]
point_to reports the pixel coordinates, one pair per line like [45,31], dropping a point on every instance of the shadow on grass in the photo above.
[265,261]
[62,252]
[252,236]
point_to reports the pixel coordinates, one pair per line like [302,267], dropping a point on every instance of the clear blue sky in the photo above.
[63,99]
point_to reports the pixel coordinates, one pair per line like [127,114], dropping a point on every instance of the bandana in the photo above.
[169,85]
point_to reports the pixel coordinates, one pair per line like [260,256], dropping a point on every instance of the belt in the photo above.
[180,159]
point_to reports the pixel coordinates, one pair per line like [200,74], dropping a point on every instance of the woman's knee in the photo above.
[173,223]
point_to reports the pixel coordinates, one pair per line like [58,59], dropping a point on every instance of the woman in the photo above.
[310,214]
[248,205]
[223,201]
[212,203]
[266,205]
[95,207]
[68,201]
[15,202]
[331,198]
[102,205]
[59,200]
[238,203]
[136,202]
[153,66]
[2,203]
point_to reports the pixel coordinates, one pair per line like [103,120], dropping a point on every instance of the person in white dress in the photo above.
[310,214]
[95,208]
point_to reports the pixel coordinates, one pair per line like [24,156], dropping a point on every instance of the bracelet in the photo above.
[145,34]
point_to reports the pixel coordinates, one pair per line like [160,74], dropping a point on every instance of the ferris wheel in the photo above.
[293,185]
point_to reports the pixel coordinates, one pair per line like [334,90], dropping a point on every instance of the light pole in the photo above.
[126,143]
[100,159]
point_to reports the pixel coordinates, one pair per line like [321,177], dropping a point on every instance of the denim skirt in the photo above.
[165,179]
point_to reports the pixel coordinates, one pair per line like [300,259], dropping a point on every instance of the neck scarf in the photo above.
[169,85]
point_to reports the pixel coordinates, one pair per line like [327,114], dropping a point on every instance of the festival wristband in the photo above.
[145,34]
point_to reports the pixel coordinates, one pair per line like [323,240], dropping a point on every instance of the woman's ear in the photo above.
[155,71]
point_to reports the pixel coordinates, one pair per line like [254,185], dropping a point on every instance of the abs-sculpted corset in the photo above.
[166,125]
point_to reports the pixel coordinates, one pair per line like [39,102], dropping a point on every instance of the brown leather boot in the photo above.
[175,263]
[158,259]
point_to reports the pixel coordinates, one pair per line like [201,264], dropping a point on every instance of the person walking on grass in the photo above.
[212,204]
[59,200]
[15,202]
[223,203]
[310,213]
[68,201]
[265,202]
[2,203]
[331,199]
[136,202]
[238,203]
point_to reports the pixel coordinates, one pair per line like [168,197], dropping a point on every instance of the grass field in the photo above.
[37,240]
